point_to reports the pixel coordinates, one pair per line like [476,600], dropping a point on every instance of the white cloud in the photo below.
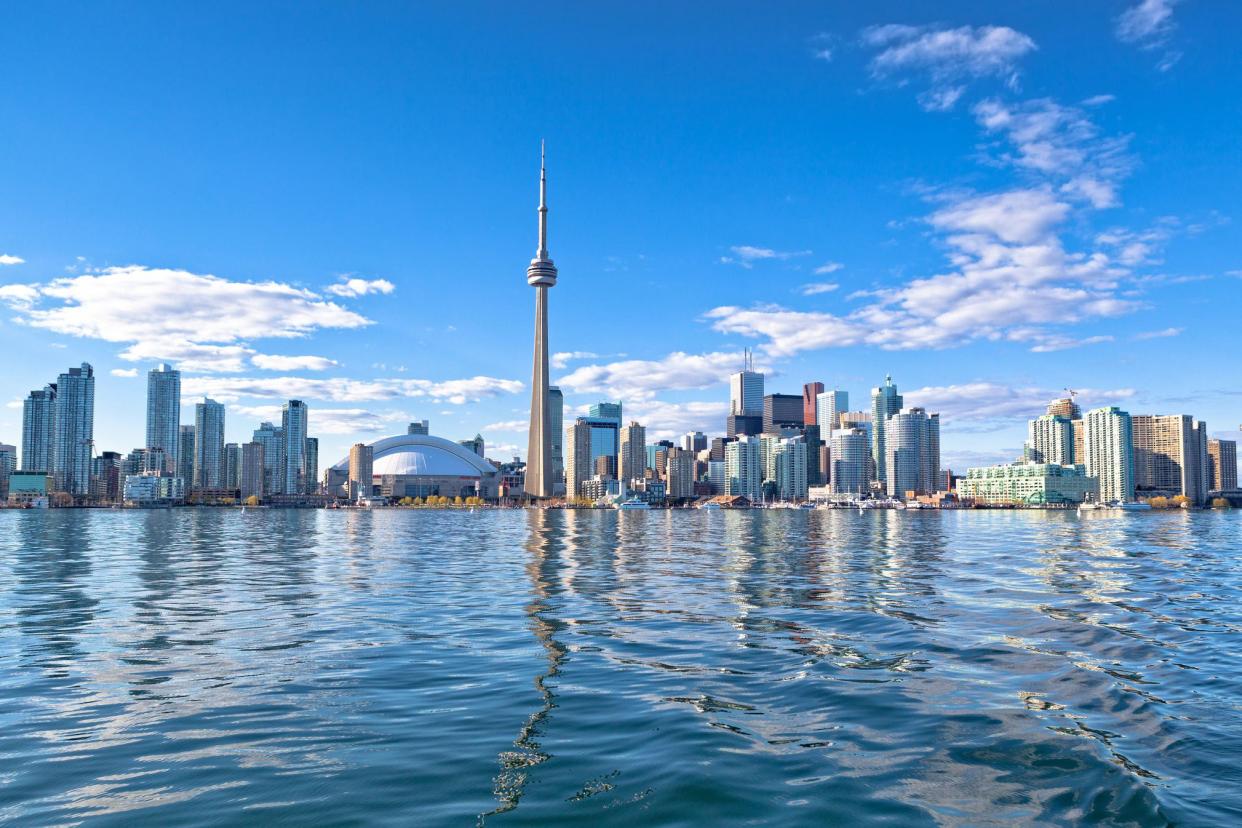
[668,420]
[353,287]
[827,267]
[746,255]
[1051,343]
[1017,216]
[1147,23]
[19,297]
[1161,334]
[331,421]
[560,359]
[508,425]
[946,56]
[190,356]
[817,288]
[125,372]
[641,379]
[989,401]
[340,389]
[274,362]
[6,259]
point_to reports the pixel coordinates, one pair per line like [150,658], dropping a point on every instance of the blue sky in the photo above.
[336,201]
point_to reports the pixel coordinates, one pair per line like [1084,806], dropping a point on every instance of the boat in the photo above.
[633,503]
[709,506]
[1133,506]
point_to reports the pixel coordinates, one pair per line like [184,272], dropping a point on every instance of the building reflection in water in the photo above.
[551,540]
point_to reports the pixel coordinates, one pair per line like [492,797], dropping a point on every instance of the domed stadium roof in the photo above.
[421,455]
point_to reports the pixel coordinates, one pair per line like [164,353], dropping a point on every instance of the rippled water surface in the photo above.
[208,667]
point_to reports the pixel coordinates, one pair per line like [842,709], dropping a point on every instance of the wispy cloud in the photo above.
[560,359]
[817,288]
[274,362]
[7,259]
[643,379]
[508,425]
[128,373]
[1161,334]
[353,287]
[1149,25]
[746,255]
[827,267]
[341,389]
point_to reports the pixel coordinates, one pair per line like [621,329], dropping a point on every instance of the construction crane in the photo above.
[1071,392]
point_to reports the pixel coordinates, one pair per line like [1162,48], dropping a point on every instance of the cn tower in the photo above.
[541,275]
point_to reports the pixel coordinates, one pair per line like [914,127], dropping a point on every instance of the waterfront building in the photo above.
[423,465]
[744,468]
[185,454]
[912,452]
[1223,463]
[38,429]
[1050,439]
[885,402]
[361,471]
[578,468]
[716,476]
[1171,456]
[8,465]
[294,423]
[541,275]
[632,460]
[650,490]
[604,434]
[74,430]
[419,427]
[790,467]
[29,488]
[164,412]
[746,390]
[679,474]
[829,406]
[810,402]
[1109,451]
[781,411]
[253,470]
[232,466]
[850,461]
[106,479]
[312,463]
[1028,484]
[556,417]
[208,445]
[154,489]
[271,437]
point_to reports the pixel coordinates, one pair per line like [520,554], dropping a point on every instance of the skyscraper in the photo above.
[252,468]
[208,445]
[810,402]
[885,402]
[781,410]
[850,461]
[38,429]
[1050,439]
[8,465]
[829,407]
[1171,455]
[185,455]
[541,275]
[293,426]
[1223,460]
[232,466]
[556,416]
[74,430]
[912,452]
[632,453]
[746,389]
[744,468]
[164,412]
[361,470]
[271,438]
[1065,407]
[312,463]
[679,474]
[1109,449]
[578,466]
[791,468]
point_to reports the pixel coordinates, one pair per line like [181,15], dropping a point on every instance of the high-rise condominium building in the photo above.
[810,402]
[1223,461]
[312,462]
[790,468]
[1050,439]
[164,412]
[556,416]
[679,474]
[1171,456]
[743,468]
[232,466]
[781,411]
[208,445]
[1065,407]
[8,465]
[185,455]
[38,429]
[252,470]
[271,438]
[632,454]
[74,430]
[293,425]
[850,461]
[829,407]
[885,402]
[912,452]
[746,390]
[578,465]
[1109,451]
[361,470]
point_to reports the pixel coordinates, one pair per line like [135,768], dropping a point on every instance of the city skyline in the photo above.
[988,231]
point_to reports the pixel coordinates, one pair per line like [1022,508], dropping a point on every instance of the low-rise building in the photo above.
[29,489]
[1028,484]
[154,489]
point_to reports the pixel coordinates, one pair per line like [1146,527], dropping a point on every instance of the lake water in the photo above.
[212,667]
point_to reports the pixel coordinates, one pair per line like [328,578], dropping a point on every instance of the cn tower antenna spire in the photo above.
[543,202]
